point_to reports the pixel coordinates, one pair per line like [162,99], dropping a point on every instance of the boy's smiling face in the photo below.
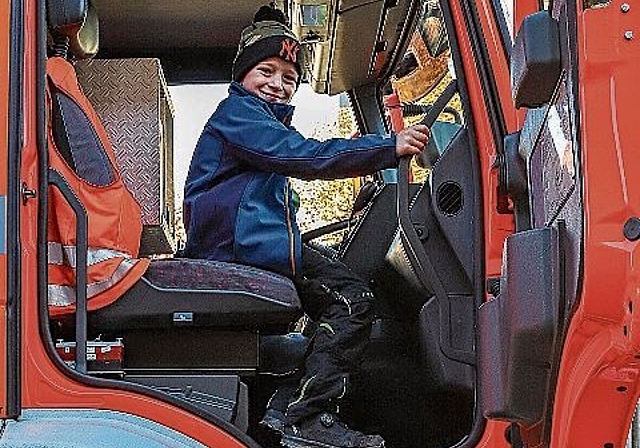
[273,79]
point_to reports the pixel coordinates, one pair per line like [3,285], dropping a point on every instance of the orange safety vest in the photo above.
[114,218]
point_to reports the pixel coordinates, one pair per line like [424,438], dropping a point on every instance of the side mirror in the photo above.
[427,61]
[535,61]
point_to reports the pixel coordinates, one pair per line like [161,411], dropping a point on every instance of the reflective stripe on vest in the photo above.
[66,255]
[60,295]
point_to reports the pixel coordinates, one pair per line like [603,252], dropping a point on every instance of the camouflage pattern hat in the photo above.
[268,36]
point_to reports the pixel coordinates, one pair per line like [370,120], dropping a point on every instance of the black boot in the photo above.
[277,406]
[325,431]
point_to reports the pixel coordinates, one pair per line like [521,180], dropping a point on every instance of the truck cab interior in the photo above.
[217,338]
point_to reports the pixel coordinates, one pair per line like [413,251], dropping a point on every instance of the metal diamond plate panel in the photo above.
[132,100]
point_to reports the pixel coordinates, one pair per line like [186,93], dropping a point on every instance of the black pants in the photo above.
[341,305]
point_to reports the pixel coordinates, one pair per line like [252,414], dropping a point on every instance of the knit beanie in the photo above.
[268,36]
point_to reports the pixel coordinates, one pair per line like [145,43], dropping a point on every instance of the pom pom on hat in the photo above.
[269,12]
[268,36]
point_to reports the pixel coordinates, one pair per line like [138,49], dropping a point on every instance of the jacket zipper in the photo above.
[292,255]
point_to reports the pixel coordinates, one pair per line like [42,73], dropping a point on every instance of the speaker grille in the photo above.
[449,198]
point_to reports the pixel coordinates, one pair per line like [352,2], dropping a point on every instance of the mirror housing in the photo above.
[536,62]
[427,61]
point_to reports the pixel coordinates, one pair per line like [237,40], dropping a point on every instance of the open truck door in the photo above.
[503,265]
[11,194]
[554,175]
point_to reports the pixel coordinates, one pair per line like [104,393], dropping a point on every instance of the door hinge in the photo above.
[27,193]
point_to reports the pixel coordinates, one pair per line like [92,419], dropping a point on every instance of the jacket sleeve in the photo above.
[255,136]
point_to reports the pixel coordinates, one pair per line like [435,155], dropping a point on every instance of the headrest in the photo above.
[76,20]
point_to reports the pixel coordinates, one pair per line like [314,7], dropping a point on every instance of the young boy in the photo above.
[238,208]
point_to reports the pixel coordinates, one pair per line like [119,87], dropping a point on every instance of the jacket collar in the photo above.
[283,112]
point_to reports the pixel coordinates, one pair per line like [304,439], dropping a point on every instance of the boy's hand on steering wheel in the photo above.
[412,140]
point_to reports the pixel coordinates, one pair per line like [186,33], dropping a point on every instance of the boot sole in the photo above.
[290,441]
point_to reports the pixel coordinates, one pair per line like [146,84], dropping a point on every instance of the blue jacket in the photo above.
[238,202]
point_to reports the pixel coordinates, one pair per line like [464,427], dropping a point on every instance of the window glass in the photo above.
[425,72]
[323,202]
[553,166]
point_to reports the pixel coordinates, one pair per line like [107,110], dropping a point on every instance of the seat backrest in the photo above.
[81,154]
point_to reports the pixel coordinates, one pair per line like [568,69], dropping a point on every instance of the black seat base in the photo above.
[191,350]
[201,293]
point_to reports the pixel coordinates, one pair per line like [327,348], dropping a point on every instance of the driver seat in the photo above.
[175,313]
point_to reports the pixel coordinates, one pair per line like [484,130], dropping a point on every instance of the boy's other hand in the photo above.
[412,140]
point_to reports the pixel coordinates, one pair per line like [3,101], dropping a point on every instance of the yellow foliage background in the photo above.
[323,202]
